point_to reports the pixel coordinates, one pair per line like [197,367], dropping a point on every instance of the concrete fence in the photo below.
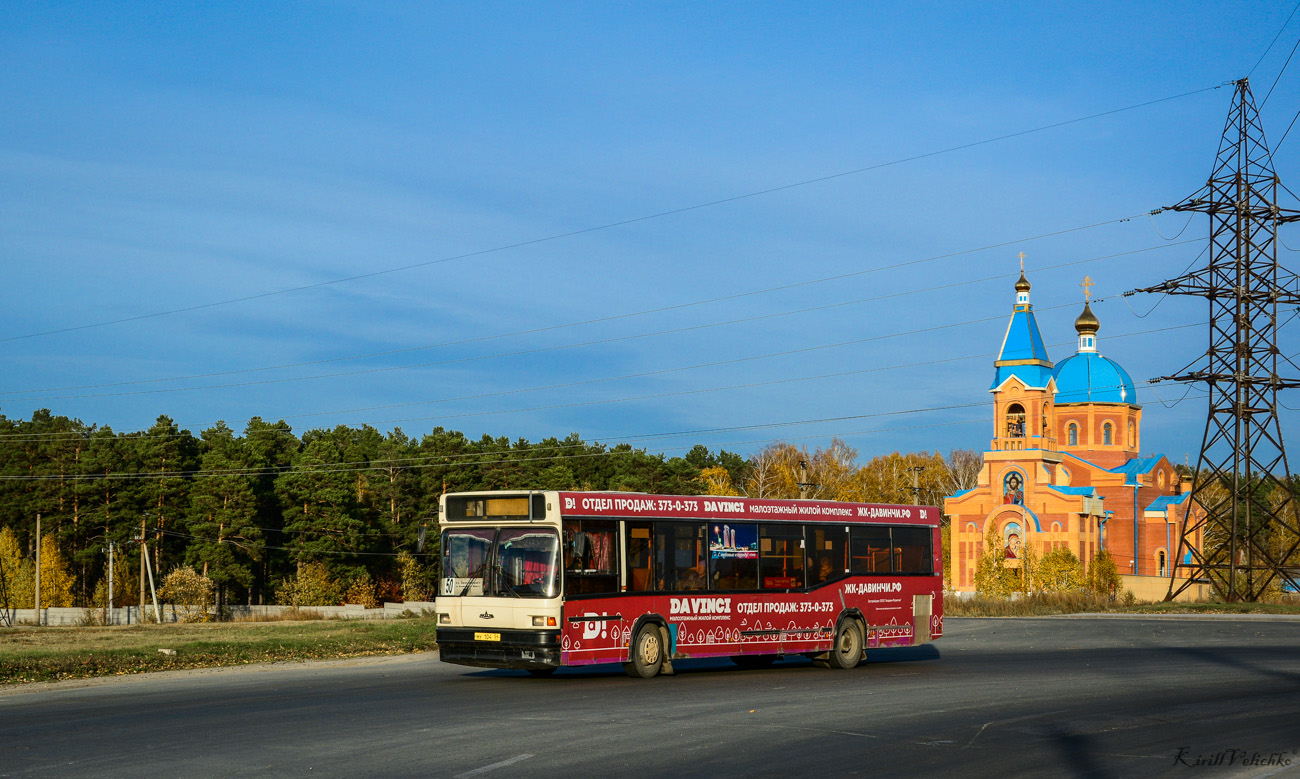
[130,615]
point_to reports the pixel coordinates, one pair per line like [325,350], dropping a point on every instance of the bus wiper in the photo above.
[474,574]
[506,585]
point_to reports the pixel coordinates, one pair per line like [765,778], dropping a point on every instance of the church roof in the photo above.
[1136,467]
[1087,492]
[1165,501]
[1087,377]
[1035,376]
[1023,341]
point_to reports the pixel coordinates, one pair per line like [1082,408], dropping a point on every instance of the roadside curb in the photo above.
[1209,616]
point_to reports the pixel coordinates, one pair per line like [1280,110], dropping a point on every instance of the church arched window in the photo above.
[1160,561]
[1072,434]
[1107,434]
[1015,421]
[1013,489]
[1132,435]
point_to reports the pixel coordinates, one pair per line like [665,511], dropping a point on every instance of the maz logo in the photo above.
[487,615]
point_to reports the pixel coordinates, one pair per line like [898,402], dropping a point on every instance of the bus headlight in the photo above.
[444,618]
[544,622]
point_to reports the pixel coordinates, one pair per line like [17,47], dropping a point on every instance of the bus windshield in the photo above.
[504,562]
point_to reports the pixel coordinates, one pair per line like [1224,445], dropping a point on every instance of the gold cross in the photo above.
[1087,288]
[1022,262]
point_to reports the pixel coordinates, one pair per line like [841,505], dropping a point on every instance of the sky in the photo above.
[667,224]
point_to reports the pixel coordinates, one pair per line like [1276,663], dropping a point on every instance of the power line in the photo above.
[606,319]
[1279,76]
[1269,48]
[288,549]
[611,225]
[1099,300]
[597,342]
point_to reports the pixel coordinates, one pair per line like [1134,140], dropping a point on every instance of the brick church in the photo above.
[1065,468]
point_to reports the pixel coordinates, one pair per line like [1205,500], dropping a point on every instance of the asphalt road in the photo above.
[1103,696]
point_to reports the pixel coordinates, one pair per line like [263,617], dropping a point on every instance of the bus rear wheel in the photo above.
[847,652]
[647,653]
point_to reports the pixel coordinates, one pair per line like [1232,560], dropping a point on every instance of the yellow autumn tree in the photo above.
[992,576]
[716,480]
[1058,571]
[18,571]
[313,586]
[190,593]
[56,576]
[362,591]
[890,479]
[1103,575]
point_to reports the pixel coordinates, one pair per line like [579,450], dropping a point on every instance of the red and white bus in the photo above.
[543,580]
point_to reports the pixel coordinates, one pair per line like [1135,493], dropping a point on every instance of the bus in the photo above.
[540,580]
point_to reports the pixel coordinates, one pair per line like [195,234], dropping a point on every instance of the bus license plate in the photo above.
[487,636]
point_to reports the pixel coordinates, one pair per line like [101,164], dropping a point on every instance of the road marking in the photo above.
[492,767]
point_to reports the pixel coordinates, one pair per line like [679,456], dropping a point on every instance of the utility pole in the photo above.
[143,560]
[152,591]
[38,568]
[916,483]
[803,483]
[1248,533]
[6,618]
[110,583]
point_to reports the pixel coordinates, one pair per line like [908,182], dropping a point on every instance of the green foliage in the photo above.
[223,513]
[247,508]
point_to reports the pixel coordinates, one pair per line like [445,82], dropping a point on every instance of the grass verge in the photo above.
[31,654]
[1042,604]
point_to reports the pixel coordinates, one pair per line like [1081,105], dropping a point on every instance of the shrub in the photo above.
[361,591]
[190,593]
[313,586]
[1103,576]
[992,576]
[1058,571]
[417,578]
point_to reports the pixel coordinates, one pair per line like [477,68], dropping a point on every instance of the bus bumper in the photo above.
[522,649]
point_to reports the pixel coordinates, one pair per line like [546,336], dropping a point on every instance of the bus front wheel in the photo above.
[647,653]
[847,652]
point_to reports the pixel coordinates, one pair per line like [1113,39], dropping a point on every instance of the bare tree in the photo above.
[964,466]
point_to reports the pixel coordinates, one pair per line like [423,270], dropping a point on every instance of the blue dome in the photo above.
[1087,377]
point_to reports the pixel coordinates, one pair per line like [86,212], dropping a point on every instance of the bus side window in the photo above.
[640,557]
[912,549]
[780,554]
[733,556]
[590,556]
[869,549]
[827,547]
[680,554]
